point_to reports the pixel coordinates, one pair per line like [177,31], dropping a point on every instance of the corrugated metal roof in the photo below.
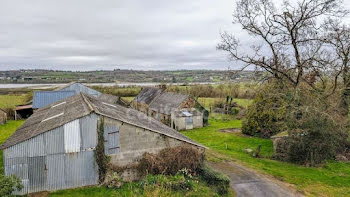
[79,106]
[44,98]
[79,88]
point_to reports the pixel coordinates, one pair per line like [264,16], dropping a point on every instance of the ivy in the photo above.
[102,159]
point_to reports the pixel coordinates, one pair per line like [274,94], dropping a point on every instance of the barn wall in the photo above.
[51,162]
[135,141]
[180,122]
[198,121]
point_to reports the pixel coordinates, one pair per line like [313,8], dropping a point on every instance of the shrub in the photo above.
[219,181]
[177,182]
[170,160]
[265,117]
[313,138]
[113,180]
[9,184]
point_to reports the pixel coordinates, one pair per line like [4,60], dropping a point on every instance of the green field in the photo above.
[10,101]
[333,179]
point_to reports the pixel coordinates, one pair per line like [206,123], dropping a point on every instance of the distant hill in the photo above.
[179,76]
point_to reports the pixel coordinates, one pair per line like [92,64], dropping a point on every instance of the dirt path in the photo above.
[246,182]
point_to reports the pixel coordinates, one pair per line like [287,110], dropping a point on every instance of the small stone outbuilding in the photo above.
[169,108]
[55,148]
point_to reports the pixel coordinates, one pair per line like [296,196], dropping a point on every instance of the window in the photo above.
[111,140]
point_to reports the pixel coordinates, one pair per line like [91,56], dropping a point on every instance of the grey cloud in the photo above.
[106,34]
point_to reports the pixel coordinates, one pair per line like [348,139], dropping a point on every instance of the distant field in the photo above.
[11,100]
[207,102]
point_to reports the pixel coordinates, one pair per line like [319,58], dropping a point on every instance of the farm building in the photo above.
[79,88]
[24,111]
[175,110]
[3,117]
[55,148]
[44,98]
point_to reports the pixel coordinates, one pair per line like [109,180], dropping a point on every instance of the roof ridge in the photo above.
[88,103]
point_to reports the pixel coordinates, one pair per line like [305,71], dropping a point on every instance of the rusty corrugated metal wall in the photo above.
[58,159]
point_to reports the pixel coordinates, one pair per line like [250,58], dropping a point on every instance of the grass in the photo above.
[333,179]
[10,101]
[135,189]
[6,131]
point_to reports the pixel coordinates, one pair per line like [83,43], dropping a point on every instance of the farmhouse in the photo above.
[175,110]
[55,148]
[3,117]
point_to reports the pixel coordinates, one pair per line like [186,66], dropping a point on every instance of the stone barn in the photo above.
[55,148]
[171,108]
[3,117]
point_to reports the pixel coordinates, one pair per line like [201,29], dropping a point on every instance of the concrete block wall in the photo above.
[135,141]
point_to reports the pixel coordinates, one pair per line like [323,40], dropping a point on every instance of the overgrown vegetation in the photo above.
[102,159]
[9,184]
[267,114]
[170,161]
[178,185]
[314,139]
[215,179]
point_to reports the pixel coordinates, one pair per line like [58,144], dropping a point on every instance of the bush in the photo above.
[313,139]
[113,180]
[171,160]
[219,181]
[175,183]
[265,117]
[9,184]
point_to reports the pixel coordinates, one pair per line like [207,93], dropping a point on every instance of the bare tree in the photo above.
[338,38]
[290,42]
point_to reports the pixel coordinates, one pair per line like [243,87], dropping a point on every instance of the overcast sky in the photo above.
[110,34]
[133,34]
